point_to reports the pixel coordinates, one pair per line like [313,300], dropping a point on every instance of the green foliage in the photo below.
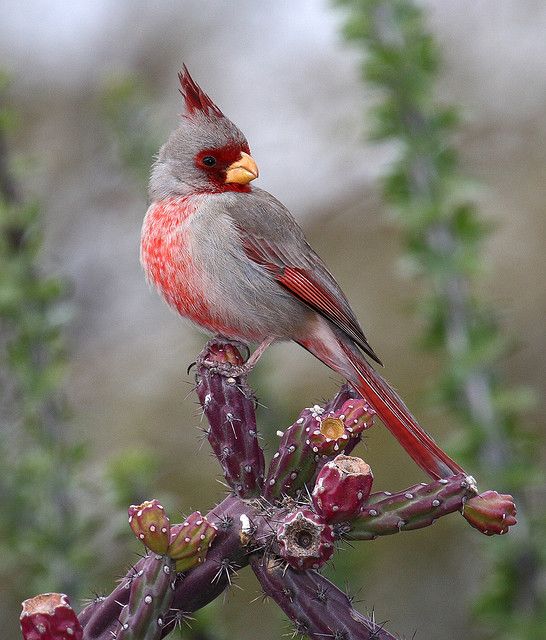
[127,106]
[51,507]
[444,237]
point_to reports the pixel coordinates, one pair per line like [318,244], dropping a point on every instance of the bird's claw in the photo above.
[226,369]
[223,357]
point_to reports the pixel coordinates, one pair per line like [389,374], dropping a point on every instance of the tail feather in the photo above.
[398,418]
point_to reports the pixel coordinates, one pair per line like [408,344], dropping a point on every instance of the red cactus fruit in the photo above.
[342,487]
[333,430]
[491,513]
[191,541]
[49,616]
[150,525]
[305,540]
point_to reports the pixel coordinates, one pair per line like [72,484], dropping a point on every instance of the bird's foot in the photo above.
[223,356]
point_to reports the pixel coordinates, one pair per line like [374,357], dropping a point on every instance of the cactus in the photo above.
[152,586]
[316,607]
[151,525]
[491,513]
[283,539]
[342,487]
[419,506]
[305,540]
[152,591]
[191,541]
[318,434]
[228,404]
[49,616]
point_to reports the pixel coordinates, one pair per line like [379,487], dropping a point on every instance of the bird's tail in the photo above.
[387,403]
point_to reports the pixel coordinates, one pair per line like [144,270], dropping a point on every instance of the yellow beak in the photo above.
[242,171]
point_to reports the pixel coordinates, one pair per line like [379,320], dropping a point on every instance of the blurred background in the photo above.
[90,94]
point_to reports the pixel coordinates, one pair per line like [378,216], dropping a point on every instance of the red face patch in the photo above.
[214,163]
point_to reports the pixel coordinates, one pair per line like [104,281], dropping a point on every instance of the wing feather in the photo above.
[308,279]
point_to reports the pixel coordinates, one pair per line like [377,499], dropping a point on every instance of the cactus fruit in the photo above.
[49,616]
[152,591]
[229,406]
[419,506]
[305,540]
[191,541]
[281,539]
[342,487]
[316,436]
[150,525]
[491,513]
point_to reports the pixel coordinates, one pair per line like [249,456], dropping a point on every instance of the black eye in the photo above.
[209,161]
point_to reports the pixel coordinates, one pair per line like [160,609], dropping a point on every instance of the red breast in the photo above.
[165,254]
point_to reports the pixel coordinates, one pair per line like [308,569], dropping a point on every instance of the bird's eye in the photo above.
[209,161]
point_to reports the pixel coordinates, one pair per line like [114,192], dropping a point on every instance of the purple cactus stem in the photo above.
[150,525]
[491,513]
[229,405]
[191,541]
[191,563]
[49,616]
[419,506]
[151,594]
[305,540]
[316,607]
[302,450]
[201,585]
[342,487]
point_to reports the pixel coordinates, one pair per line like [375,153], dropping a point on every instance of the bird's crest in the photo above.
[194,97]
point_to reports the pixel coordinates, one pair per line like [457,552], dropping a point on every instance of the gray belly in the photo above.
[241,295]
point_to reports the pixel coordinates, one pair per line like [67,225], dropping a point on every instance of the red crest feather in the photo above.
[194,97]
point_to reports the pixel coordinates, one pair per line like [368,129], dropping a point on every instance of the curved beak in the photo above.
[242,171]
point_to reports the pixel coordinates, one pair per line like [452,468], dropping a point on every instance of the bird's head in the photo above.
[206,153]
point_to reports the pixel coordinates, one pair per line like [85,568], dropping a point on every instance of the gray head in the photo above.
[206,153]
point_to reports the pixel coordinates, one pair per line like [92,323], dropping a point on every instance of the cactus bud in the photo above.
[490,512]
[357,416]
[305,540]
[150,525]
[49,616]
[343,486]
[191,541]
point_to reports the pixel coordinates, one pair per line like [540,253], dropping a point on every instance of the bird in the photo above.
[232,259]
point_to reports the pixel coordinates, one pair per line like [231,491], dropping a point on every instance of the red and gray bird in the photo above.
[231,258]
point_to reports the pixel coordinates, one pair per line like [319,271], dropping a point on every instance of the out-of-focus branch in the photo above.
[444,238]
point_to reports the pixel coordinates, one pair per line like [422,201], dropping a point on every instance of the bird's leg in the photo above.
[251,362]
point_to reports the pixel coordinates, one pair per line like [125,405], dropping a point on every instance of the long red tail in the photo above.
[398,418]
[345,358]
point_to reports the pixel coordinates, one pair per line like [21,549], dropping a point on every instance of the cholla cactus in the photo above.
[270,524]
[342,488]
[305,540]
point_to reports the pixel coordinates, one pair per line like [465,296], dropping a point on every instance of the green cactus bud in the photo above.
[191,541]
[150,525]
